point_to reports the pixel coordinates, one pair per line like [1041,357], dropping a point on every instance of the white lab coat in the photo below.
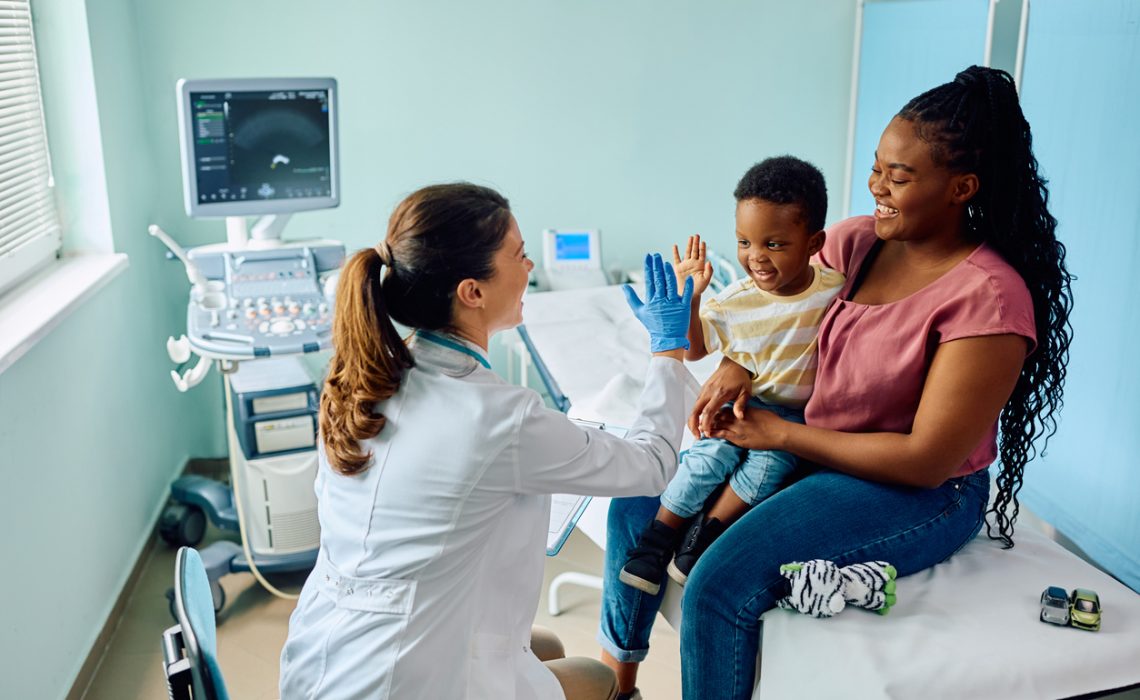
[431,560]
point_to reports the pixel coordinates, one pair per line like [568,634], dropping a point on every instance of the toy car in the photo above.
[1084,609]
[1055,606]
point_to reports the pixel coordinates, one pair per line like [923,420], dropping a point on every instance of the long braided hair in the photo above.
[975,124]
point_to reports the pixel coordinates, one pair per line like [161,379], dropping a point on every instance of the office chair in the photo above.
[190,649]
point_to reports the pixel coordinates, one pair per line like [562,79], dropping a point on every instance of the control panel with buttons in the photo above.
[259,303]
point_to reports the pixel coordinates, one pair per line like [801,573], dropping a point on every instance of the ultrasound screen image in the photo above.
[262,145]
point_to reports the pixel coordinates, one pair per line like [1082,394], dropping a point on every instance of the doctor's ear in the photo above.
[469,293]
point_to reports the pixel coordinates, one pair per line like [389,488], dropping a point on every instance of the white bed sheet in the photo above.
[966,628]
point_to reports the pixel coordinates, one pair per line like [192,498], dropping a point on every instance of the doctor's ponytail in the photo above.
[437,237]
[367,366]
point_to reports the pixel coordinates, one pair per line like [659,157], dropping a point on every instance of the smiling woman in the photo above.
[953,319]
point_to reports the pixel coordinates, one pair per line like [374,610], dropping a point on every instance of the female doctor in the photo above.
[435,475]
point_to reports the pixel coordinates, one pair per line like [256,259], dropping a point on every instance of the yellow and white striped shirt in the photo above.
[773,337]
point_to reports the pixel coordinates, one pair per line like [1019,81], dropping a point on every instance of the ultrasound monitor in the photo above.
[253,147]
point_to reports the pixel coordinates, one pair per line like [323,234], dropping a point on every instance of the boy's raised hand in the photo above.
[693,265]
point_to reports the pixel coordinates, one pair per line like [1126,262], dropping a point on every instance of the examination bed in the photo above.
[966,628]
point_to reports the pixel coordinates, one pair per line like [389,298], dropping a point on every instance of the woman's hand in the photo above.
[693,265]
[756,430]
[664,313]
[729,383]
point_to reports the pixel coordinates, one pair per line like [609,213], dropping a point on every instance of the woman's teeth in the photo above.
[884,211]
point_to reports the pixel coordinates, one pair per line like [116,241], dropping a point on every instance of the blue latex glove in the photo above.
[664,314]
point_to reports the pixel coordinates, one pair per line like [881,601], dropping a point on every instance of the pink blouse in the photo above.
[873,360]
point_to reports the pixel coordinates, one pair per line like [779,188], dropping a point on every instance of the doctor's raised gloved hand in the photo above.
[665,314]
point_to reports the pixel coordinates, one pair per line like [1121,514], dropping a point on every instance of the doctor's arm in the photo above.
[556,455]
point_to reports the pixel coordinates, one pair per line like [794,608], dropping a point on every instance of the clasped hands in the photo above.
[722,411]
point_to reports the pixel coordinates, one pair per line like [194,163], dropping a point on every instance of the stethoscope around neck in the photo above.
[453,345]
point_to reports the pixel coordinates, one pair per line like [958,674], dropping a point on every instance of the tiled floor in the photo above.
[253,625]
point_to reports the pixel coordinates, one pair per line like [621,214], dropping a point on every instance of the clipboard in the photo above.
[565,509]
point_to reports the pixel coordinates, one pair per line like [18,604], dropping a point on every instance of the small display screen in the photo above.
[572,246]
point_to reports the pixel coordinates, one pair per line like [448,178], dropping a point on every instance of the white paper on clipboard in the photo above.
[565,509]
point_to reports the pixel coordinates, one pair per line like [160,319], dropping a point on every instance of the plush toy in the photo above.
[821,588]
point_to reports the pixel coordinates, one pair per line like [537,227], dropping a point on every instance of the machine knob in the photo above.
[261,301]
[247,302]
[324,307]
[307,309]
[281,327]
[251,313]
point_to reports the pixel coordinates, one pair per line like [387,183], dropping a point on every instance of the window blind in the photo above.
[29,222]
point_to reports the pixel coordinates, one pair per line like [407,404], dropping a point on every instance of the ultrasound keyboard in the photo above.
[259,303]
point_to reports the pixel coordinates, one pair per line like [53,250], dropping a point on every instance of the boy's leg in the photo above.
[728,507]
[703,468]
[760,474]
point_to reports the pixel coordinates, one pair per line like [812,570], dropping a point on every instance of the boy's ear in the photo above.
[815,242]
[469,293]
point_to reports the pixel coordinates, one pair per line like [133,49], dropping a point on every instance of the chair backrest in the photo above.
[195,632]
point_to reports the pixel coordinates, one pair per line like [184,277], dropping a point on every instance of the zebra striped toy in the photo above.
[822,588]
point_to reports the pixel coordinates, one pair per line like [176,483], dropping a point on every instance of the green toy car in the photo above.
[1084,609]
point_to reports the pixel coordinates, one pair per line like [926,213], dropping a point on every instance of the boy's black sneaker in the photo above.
[697,540]
[645,563]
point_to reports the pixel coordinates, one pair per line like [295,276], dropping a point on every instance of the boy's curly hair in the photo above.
[787,180]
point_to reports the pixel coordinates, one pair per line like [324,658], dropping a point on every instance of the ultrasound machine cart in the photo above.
[256,147]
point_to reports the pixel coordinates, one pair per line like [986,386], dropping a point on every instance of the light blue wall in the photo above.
[1080,94]
[91,429]
[636,117]
[907,47]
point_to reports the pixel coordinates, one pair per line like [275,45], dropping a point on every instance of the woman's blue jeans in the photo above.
[824,515]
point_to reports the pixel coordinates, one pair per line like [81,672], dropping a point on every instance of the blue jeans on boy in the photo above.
[753,474]
[824,515]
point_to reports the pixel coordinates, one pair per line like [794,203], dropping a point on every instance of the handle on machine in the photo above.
[192,272]
[193,376]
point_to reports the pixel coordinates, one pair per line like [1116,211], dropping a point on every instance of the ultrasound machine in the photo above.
[265,148]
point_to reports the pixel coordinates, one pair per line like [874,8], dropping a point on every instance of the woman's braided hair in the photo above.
[975,124]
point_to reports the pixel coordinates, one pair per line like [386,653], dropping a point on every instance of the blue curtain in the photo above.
[1081,95]
[908,47]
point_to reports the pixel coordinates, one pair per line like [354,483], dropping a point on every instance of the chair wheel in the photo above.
[217,592]
[219,595]
[182,525]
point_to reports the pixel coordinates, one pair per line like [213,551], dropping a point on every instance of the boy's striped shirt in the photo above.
[773,337]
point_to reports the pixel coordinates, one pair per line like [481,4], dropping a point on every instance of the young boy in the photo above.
[766,322]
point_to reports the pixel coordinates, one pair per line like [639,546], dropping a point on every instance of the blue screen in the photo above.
[572,246]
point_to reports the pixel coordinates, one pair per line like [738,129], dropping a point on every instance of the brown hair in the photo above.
[437,237]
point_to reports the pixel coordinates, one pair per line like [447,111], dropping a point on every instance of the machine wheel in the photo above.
[182,525]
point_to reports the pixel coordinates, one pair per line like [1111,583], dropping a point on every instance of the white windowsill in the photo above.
[31,310]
